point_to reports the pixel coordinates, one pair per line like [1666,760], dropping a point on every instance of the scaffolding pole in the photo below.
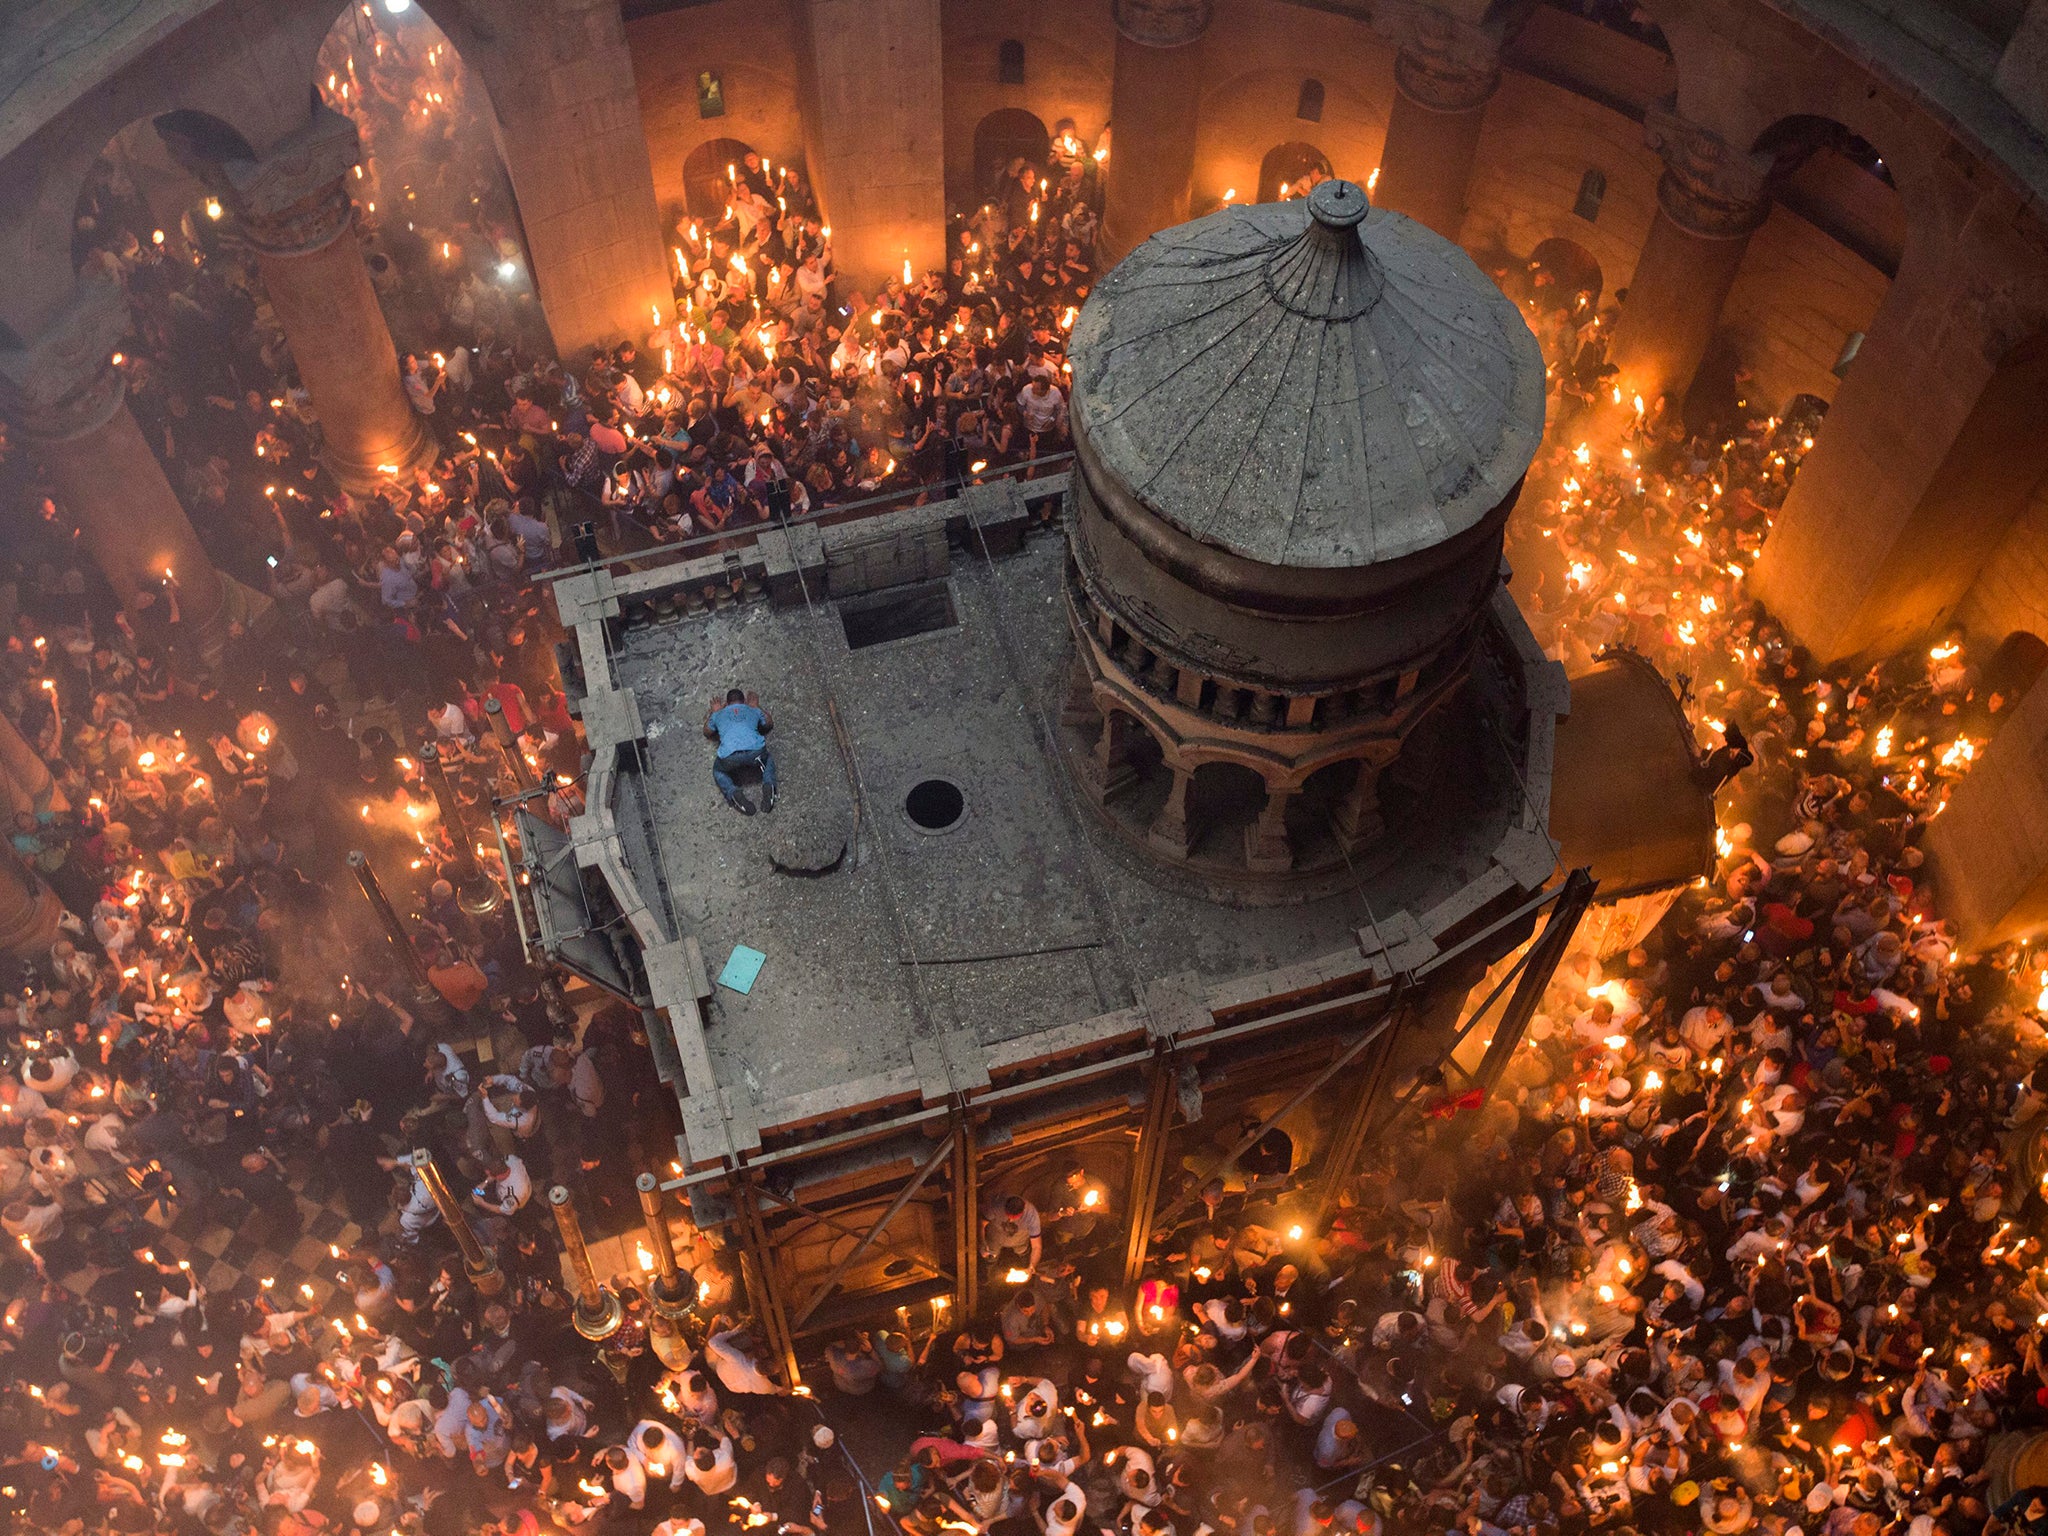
[1544,957]
[904,1196]
[1148,1161]
[1349,1142]
[765,1294]
[966,1215]
[1380,1026]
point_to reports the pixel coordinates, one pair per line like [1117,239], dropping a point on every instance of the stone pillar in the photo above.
[1078,709]
[2022,73]
[293,208]
[871,81]
[1265,841]
[29,909]
[561,81]
[1710,199]
[1169,831]
[1108,768]
[1988,851]
[1357,816]
[1444,74]
[27,775]
[1926,455]
[69,401]
[1154,107]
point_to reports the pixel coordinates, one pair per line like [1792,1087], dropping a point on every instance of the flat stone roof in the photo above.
[1025,916]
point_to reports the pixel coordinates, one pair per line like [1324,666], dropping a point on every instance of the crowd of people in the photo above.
[1745,1242]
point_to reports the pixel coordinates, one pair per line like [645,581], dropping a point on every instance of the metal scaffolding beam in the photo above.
[867,1240]
[966,1215]
[760,1275]
[1148,1160]
[1539,966]
[784,1202]
[1349,1142]
[1252,1138]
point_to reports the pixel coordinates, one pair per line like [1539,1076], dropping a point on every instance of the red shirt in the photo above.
[512,699]
[527,416]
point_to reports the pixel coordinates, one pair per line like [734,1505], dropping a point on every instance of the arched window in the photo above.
[1309,105]
[1290,170]
[1010,62]
[1592,188]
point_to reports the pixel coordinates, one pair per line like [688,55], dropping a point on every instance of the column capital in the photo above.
[292,201]
[1162,23]
[295,200]
[1709,187]
[63,384]
[1444,62]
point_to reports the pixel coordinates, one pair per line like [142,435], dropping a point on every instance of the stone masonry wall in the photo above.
[1537,142]
[751,46]
[2012,591]
[1796,300]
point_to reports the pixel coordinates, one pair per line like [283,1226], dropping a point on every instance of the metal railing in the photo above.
[722,540]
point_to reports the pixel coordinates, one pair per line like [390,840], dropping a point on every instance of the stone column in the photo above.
[1078,709]
[26,773]
[69,401]
[1926,454]
[1710,199]
[1988,851]
[1266,847]
[1357,815]
[1108,768]
[871,81]
[293,208]
[1444,74]
[29,909]
[1154,107]
[1169,831]
[568,112]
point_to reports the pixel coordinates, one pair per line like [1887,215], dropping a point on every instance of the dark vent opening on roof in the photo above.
[897,614]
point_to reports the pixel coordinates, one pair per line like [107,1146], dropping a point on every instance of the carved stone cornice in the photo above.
[295,200]
[1444,62]
[63,384]
[1162,23]
[292,201]
[1709,187]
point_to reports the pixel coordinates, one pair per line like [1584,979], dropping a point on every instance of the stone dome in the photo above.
[1310,384]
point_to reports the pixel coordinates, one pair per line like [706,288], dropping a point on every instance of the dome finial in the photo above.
[1339,204]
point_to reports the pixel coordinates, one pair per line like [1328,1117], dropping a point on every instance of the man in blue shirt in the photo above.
[740,727]
[534,540]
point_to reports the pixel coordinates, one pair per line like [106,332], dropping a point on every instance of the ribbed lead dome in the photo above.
[1306,385]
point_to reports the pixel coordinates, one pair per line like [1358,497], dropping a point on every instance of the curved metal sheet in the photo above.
[1624,799]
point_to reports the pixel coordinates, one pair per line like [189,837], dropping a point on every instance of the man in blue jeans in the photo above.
[740,726]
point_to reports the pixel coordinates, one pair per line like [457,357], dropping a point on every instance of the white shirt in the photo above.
[509,1193]
[450,1075]
[453,1420]
[703,1406]
[579,1415]
[508,1114]
[1153,1373]
[672,1456]
[736,1370]
[723,1474]
[631,1480]
[1072,1494]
